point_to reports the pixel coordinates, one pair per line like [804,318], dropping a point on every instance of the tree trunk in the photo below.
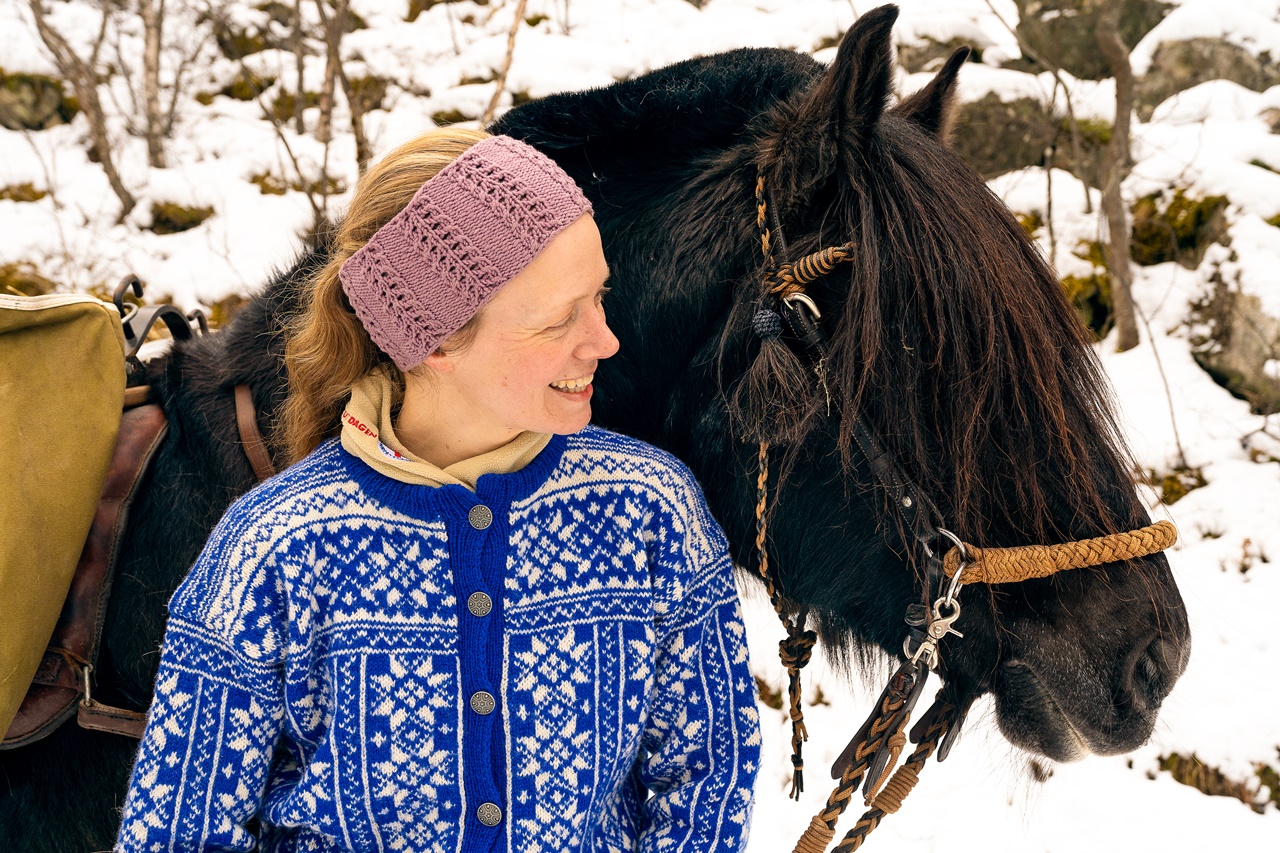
[152,14]
[333,29]
[1115,170]
[299,53]
[85,83]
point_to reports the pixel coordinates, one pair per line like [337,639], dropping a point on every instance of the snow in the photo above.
[1250,24]
[1207,140]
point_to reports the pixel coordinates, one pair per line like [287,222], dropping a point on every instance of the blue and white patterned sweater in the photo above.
[321,662]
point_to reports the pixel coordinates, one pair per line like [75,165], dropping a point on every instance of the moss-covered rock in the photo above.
[21,192]
[368,93]
[285,106]
[1176,484]
[23,278]
[444,117]
[171,218]
[1178,65]
[1062,31]
[269,184]
[246,86]
[1190,770]
[34,102]
[236,43]
[1091,297]
[1176,227]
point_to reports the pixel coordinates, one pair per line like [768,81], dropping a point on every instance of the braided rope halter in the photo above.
[872,754]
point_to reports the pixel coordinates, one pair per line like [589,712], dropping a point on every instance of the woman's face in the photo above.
[544,328]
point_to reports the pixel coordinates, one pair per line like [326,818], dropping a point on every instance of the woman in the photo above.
[465,619]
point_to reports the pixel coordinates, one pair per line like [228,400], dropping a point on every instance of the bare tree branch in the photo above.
[299,54]
[500,83]
[333,29]
[152,14]
[1116,169]
[84,81]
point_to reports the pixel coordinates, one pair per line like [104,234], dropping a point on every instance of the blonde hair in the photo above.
[327,350]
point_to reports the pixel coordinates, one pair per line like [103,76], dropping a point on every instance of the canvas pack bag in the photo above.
[62,380]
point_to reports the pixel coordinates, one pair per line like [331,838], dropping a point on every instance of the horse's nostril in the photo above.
[1157,668]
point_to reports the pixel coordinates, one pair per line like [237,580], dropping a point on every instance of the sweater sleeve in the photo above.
[702,737]
[202,764]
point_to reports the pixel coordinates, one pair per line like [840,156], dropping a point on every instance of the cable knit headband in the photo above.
[468,231]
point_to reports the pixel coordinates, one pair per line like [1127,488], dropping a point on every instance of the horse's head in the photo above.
[951,337]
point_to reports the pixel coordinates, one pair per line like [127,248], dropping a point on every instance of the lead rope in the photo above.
[796,649]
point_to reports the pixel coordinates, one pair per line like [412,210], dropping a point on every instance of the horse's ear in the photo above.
[856,86]
[933,108]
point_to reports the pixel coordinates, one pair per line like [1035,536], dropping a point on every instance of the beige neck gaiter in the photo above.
[367,433]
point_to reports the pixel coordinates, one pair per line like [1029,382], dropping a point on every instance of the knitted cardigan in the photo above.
[322,665]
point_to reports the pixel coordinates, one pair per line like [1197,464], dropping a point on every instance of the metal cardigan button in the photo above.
[480,516]
[489,814]
[482,702]
[479,604]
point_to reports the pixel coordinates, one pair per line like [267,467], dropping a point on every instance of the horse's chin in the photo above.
[1037,718]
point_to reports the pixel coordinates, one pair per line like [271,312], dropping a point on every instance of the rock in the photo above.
[1239,345]
[1062,31]
[997,136]
[33,102]
[1178,65]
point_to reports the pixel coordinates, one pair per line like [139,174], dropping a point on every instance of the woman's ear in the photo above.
[438,362]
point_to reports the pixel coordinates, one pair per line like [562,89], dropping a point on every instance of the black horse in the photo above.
[949,335]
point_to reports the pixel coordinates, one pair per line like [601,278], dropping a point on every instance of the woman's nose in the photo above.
[601,341]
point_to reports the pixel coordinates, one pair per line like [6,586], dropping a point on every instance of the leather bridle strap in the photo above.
[250,438]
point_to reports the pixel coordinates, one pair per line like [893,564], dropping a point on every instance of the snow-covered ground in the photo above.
[985,796]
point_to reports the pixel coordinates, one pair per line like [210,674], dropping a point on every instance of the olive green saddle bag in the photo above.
[62,380]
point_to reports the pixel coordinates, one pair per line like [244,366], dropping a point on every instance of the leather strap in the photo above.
[247,423]
[60,684]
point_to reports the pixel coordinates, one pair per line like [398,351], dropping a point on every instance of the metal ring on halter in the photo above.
[950,597]
[804,299]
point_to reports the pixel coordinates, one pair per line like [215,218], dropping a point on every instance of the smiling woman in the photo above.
[464,618]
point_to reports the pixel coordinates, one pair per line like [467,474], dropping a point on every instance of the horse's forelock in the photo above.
[950,333]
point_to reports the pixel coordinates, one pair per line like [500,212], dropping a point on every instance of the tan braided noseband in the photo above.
[1010,565]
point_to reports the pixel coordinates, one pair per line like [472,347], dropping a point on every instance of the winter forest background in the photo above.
[198,142]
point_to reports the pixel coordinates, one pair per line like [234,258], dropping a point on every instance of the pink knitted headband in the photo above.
[468,231]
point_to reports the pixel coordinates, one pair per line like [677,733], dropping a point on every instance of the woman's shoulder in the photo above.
[595,444]
[282,499]
[605,457]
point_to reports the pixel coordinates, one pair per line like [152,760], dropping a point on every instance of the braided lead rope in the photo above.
[796,649]
[1010,565]
[889,800]
[822,828]
[762,224]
